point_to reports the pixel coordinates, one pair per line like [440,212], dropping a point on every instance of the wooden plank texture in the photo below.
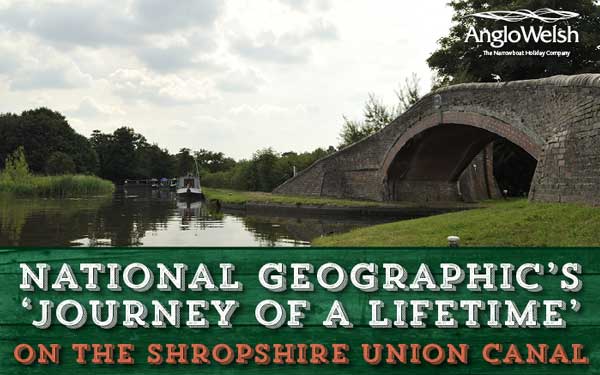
[15,321]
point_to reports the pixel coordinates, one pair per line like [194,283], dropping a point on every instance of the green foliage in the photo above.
[60,163]
[377,115]
[16,167]
[265,171]
[16,179]
[42,132]
[152,161]
[45,140]
[456,61]
[213,161]
[126,154]
[57,186]
[121,160]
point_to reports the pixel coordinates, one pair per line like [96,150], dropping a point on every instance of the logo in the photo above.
[546,15]
[498,38]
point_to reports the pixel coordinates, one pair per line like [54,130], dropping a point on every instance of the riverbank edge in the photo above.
[510,223]
[260,203]
[401,212]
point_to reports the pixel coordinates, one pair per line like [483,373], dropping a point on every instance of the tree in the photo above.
[408,94]
[154,162]
[266,170]
[213,161]
[377,115]
[185,162]
[117,153]
[458,61]
[60,163]
[42,132]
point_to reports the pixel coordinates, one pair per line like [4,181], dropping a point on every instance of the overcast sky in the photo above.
[231,76]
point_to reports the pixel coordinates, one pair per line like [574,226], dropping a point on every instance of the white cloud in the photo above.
[265,110]
[136,85]
[68,25]
[246,80]
[289,47]
[227,75]
[90,108]
[100,23]
[306,5]
[157,17]
[26,66]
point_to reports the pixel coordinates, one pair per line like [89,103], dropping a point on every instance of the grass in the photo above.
[242,197]
[505,223]
[65,186]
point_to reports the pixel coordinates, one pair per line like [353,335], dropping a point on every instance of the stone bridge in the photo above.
[439,150]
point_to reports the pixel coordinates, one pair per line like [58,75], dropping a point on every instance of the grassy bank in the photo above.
[507,223]
[56,186]
[242,197]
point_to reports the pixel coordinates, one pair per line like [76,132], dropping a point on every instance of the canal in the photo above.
[145,217]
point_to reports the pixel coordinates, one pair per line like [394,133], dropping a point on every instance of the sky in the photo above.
[225,75]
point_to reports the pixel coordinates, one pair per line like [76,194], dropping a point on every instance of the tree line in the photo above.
[51,146]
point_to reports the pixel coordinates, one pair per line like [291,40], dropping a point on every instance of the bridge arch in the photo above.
[554,122]
[427,160]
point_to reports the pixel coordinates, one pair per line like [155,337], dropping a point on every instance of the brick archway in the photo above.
[530,143]
[428,159]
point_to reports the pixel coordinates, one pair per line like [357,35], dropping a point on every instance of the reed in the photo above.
[65,186]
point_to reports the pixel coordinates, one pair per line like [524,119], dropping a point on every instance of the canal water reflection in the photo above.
[144,217]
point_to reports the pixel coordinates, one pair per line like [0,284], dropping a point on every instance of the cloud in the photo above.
[288,48]
[28,67]
[297,4]
[99,24]
[168,59]
[265,110]
[268,48]
[321,30]
[178,52]
[247,80]
[107,23]
[89,108]
[70,24]
[305,5]
[141,85]
[54,77]
[156,16]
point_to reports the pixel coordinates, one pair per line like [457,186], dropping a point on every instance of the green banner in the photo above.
[267,310]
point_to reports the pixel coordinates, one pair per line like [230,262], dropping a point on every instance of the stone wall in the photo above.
[556,120]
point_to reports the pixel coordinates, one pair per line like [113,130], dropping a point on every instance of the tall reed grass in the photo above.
[65,186]
[16,179]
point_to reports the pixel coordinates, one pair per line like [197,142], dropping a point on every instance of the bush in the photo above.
[16,168]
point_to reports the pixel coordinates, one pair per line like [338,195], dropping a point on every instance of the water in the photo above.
[144,217]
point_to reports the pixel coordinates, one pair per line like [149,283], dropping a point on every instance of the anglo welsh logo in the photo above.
[529,34]
[546,15]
